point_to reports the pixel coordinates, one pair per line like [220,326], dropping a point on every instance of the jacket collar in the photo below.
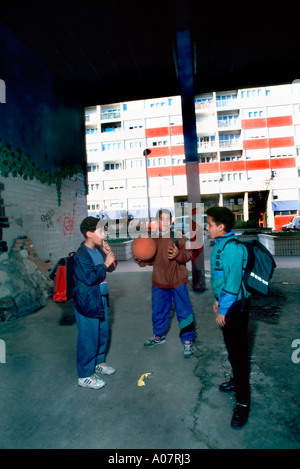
[225,237]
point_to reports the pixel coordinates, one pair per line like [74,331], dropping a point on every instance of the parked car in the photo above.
[293,225]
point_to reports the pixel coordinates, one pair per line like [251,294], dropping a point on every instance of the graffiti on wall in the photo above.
[48,218]
[66,221]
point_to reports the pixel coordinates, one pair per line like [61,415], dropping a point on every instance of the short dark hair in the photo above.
[161,211]
[222,215]
[89,224]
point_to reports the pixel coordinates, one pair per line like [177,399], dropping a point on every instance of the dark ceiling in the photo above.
[117,50]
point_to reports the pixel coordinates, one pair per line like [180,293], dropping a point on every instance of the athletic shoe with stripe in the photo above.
[92,382]
[155,340]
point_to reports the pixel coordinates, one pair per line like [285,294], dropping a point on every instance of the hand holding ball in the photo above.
[143,249]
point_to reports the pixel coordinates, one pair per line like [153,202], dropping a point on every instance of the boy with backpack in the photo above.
[231,305]
[169,283]
[91,262]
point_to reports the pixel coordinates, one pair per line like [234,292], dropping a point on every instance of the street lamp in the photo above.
[147,152]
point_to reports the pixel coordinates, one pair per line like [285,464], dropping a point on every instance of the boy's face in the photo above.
[214,230]
[164,222]
[96,237]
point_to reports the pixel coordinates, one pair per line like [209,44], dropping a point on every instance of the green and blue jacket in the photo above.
[227,264]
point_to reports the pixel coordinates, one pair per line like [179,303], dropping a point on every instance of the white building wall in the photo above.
[220,138]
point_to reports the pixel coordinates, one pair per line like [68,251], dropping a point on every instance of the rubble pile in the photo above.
[24,281]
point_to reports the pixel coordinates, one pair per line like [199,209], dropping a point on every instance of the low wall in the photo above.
[281,245]
[277,245]
[122,251]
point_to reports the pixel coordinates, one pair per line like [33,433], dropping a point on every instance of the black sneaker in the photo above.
[240,416]
[227,387]
[155,340]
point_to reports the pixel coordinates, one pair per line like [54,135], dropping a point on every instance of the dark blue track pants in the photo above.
[92,342]
[161,305]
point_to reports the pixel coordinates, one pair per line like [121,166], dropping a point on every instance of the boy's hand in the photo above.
[220,320]
[172,251]
[110,259]
[138,261]
[106,247]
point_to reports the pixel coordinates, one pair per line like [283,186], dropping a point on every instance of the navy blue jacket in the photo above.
[87,279]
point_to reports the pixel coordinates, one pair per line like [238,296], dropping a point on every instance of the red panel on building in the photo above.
[259,143]
[164,131]
[166,151]
[255,143]
[279,121]
[254,123]
[283,163]
[232,166]
[176,130]
[257,164]
[158,151]
[167,171]
[157,132]
[281,142]
[266,122]
[205,168]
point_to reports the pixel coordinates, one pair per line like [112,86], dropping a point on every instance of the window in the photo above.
[228,120]
[92,130]
[109,166]
[92,168]
[111,127]
[254,93]
[206,142]
[111,146]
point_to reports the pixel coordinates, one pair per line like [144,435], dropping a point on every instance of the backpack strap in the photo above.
[231,240]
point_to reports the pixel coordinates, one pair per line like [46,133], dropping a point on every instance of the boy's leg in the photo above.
[235,334]
[103,335]
[161,305]
[87,344]
[184,312]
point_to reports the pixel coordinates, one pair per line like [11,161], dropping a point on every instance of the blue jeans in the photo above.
[161,305]
[92,342]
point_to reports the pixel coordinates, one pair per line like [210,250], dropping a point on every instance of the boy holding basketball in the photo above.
[169,283]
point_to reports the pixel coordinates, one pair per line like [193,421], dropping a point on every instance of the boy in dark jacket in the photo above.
[231,306]
[169,283]
[91,262]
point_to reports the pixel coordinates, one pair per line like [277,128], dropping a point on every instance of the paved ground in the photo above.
[180,407]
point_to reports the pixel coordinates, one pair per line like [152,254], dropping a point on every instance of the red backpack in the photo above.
[62,276]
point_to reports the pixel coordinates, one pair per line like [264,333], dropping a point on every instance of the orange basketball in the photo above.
[143,248]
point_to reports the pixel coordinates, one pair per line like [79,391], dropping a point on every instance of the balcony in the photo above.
[206,145]
[110,115]
[229,123]
[207,106]
[234,142]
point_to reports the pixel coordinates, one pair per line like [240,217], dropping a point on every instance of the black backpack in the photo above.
[260,266]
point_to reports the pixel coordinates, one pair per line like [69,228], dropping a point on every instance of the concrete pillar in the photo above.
[186,79]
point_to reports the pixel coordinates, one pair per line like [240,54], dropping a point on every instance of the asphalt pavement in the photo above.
[179,407]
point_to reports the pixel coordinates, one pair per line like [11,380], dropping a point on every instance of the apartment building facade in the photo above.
[248,150]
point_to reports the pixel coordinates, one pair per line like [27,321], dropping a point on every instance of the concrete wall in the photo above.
[32,210]
[39,118]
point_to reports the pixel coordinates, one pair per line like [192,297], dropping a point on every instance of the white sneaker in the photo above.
[92,382]
[188,349]
[104,369]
